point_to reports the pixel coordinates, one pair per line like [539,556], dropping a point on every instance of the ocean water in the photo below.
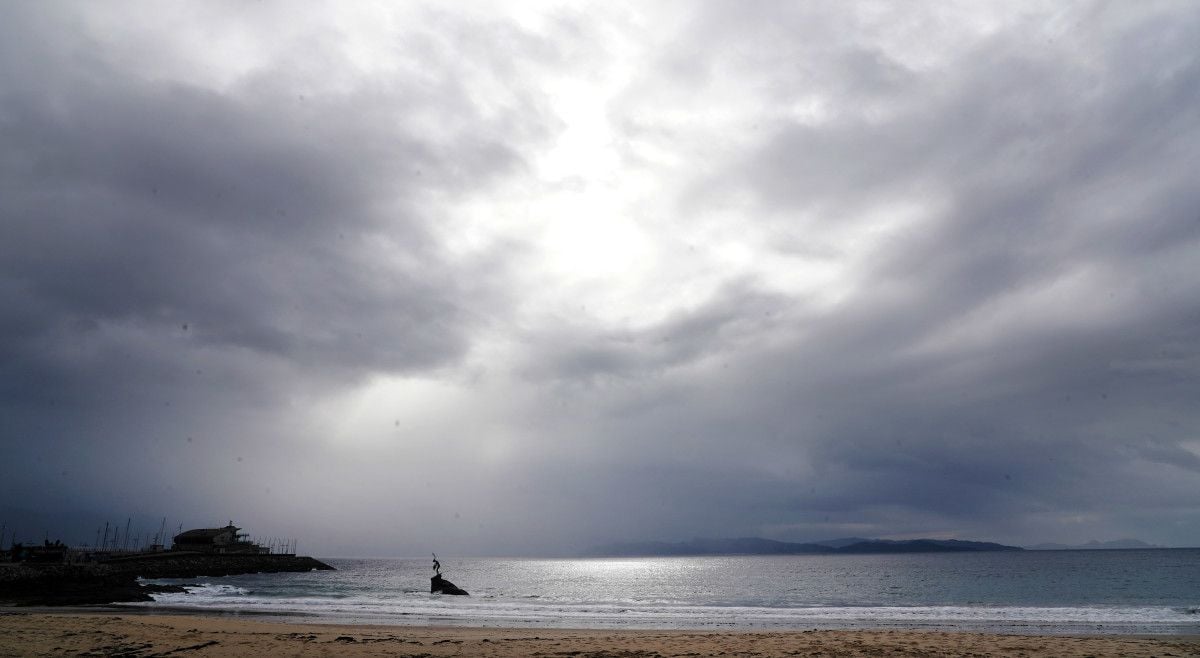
[1125,592]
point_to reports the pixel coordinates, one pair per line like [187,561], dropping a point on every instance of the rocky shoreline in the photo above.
[117,581]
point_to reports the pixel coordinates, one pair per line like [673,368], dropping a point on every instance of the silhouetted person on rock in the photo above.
[437,566]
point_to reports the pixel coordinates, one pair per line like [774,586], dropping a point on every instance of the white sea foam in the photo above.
[427,608]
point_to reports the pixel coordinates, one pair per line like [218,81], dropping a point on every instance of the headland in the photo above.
[53,573]
[116,581]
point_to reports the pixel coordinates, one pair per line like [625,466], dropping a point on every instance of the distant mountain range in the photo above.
[760,546]
[1094,545]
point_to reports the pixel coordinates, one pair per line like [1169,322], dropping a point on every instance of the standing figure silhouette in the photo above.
[437,566]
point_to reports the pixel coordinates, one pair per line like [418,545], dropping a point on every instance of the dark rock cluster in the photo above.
[116,581]
[439,585]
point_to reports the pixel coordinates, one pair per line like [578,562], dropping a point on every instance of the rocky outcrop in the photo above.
[439,585]
[173,564]
[116,581]
[73,585]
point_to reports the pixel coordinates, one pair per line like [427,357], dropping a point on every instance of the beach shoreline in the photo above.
[26,632]
[408,620]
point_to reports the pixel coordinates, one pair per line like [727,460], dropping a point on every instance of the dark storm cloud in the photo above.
[972,383]
[204,277]
[582,353]
[180,260]
[151,203]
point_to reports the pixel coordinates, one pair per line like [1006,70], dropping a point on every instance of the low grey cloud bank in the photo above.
[527,280]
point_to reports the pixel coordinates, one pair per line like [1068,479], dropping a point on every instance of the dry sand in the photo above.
[54,634]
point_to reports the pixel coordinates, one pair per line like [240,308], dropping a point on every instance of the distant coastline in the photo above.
[1094,545]
[760,546]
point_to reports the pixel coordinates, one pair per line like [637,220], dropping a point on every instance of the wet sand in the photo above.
[56,634]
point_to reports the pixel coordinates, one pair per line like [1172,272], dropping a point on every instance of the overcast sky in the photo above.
[525,279]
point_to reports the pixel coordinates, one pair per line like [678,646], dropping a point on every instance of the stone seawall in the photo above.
[116,581]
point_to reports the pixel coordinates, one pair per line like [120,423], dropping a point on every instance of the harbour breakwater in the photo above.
[116,581]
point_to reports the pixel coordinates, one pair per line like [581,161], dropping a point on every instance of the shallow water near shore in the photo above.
[1044,592]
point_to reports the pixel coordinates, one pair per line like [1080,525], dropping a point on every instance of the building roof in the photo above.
[204,534]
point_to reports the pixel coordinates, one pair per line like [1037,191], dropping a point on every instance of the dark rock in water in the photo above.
[67,585]
[439,585]
[116,581]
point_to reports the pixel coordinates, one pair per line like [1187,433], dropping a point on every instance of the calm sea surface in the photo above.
[1140,591]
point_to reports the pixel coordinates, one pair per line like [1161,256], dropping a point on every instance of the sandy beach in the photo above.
[55,634]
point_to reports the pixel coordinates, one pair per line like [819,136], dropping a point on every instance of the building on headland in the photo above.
[218,540]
